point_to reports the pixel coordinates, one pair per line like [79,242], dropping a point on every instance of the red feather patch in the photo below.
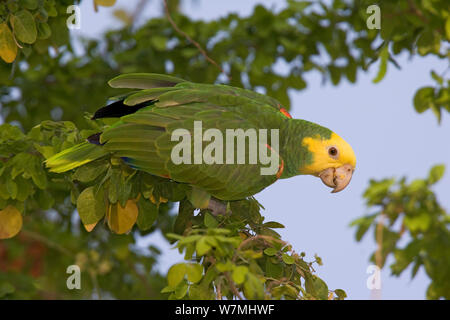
[284,111]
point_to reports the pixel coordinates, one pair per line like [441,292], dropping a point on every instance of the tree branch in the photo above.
[138,10]
[232,286]
[196,44]
[46,241]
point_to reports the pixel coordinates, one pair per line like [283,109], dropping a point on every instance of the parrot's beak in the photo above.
[337,178]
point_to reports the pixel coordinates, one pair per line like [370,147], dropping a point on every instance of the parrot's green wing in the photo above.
[153,85]
[144,139]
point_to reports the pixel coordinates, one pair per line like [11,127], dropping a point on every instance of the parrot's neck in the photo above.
[292,150]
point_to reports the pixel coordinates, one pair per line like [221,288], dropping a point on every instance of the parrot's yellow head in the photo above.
[332,159]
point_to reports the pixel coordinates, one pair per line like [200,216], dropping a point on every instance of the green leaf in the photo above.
[253,287]
[30,4]
[447,28]
[199,198]
[378,190]
[158,42]
[114,185]
[404,257]
[90,171]
[423,99]
[91,205]
[335,74]
[194,272]
[124,189]
[11,186]
[202,246]
[148,212]
[273,270]
[321,288]
[176,274]
[341,294]
[37,173]
[24,189]
[189,239]
[299,6]
[428,42]
[416,267]
[24,26]
[105,3]
[181,290]
[384,56]
[20,163]
[222,267]
[270,251]
[210,221]
[201,292]
[419,222]
[44,199]
[436,173]
[287,258]
[46,151]
[172,191]
[167,289]
[239,274]
[363,224]
[185,213]
[288,291]
[60,32]
[44,31]
[437,78]
[274,225]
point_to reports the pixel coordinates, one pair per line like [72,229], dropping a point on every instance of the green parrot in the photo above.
[148,118]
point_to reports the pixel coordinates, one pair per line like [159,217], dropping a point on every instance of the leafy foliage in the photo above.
[411,211]
[330,39]
[25,186]
[31,26]
[432,98]
[242,257]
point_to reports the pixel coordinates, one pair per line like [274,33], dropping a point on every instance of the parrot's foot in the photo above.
[217,207]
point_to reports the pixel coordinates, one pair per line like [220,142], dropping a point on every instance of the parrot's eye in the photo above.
[333,152]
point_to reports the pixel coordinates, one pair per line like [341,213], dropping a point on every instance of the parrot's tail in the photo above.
[75,156]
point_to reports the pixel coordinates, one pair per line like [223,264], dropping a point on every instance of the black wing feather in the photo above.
[119,109]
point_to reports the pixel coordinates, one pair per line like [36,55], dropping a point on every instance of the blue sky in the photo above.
[378,120]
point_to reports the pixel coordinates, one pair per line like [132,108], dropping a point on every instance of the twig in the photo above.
[95,284]
[232,286]
[219,292]
[376,294]
[184,34]
[379,236]
[417,12]
[61,249]
[44,240]
[254,238]
[141,277]
[257,237]
[139,9]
